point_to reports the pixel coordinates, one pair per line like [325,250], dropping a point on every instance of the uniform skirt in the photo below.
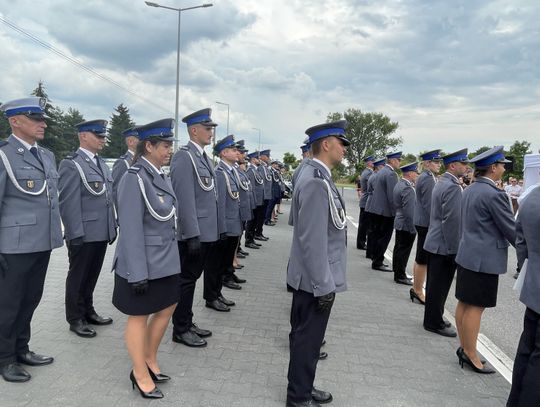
[421,255]
[162,293]
[477,288]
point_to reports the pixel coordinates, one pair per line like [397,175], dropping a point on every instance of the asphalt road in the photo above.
[502,324]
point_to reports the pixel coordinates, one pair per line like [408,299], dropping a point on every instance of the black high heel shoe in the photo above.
[464,359]
[155,393]
[460,350]
[158,377]
[415,296]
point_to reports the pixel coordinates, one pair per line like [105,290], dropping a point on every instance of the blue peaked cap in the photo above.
[431,155]
[394,155]
[254,154]
[33,107]
[457,156]
[380,161]
[203,117]
[368,158]
[265,152]
[409,167]
[336,129]
[98,127]
[492,156]
[130,132]
[227,142]
[161,128]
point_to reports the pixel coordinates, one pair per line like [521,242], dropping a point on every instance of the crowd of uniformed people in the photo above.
[171,230]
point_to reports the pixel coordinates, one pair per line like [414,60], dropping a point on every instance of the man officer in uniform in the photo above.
[257,183]
[363,219]
[404,200]
[317,264]
[193,181]
[442,241]
[29,230]
[378,164]
[264,172]
[124,161]
[87,209]
[383,210]
[306,156]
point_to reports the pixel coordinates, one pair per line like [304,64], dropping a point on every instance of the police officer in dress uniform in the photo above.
[404,201]
[229,223]
[88,215]
[264,172]
[526,374]
[442,241]
[317,264]
[257,183]
[276,192]
[383,211]
[487,229]
[29,230]
[193,181]
[431,163]
[146,261]
[124,161]
[378,164]
[362,219]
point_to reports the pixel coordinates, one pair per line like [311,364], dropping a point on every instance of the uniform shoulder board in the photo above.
[135,169]
[317,173]
[71,156]
[185,148]
[3,143]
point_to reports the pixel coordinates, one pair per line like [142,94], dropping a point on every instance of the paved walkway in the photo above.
[379,354]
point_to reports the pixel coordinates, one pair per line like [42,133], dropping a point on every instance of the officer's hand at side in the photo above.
[76,242]
[4,268]
[139,287]
[223,236]
[325,302]
[194,246]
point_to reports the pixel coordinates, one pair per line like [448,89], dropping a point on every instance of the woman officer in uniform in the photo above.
[487,229]
[146,262]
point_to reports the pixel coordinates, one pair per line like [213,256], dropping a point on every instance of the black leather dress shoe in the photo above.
[321,396]
[261,238]
[231,284]
[323,355]
[383,267]
[307,403]
[217,305]
[238,280]
[251,245]
[404,281]
[225,301]
[14,372]
[81,328]
[203,333]
[96,319]
[240,256]
[190,339]
[33,359]
[269,223]
[446,331]
[257,244]
[242,251]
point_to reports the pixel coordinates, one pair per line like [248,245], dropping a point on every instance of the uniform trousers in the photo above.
[370,237]
[402,251]
[308,326]
[260,218]
[363,221]
[21,288]
[254,224]
[85,262]
[219,264]
[382,233]
[440,274]
[192,267]
[526,374]
[270,209]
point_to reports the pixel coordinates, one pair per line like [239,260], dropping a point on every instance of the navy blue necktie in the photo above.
[35,153]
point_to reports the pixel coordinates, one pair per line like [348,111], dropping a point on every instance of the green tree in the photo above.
[290,160]
[5,129]
[120,121]
[369,133]
[70,136]
[516,152]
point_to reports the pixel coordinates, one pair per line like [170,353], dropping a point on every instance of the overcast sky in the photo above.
[454,73]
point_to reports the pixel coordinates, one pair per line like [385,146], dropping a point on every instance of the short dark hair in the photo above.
[316,147]
[481,171]
[140,151]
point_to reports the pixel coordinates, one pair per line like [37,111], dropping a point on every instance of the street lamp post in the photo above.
[179,10]
[228,111]
[259,130]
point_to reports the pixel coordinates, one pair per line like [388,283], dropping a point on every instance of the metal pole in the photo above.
[176,135]
[228,120]
[259,140]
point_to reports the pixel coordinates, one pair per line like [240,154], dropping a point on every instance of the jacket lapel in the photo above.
[157,180]
[89,161]
[28,157]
